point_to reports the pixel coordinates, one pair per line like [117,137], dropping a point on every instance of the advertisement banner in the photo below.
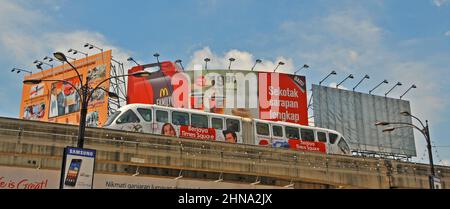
[59,102]
[30,178]
[310,146]
[79,165]
[268,96]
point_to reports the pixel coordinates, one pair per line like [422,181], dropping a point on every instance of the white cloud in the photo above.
[440,3]
[447,33]
[244,61]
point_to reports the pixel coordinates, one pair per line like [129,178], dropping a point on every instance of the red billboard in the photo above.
[261,95]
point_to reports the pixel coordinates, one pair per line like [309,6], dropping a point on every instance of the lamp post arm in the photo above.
[74,68]
[98,85]
[418,120]
[412,125]
[65,82]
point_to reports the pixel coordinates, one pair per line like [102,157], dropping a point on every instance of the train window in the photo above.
[343,146]
[128,117]
[217,123]
[277,131]
[112,118]
[333,138]
[291,132]
[199,121]
[162,116]
[145,113]
[180,118]
[262,129]
[307,134]
[233,125]
[322,137]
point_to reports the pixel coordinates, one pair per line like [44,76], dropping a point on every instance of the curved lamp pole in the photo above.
[279,63]
[424,130]
[256,62]
[384,81]
[85,92]
[304,66]
[365,77]
[397,84]
[332,73]
[349,76]
[412,87]
[231,60]
[179,62]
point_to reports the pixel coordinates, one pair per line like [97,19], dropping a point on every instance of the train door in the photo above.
[278,139]
[162,123]
[147,122]
[233,129]
[217,123]
[128,121]
[262,133]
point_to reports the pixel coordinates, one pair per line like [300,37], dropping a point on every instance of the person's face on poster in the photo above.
[168,130]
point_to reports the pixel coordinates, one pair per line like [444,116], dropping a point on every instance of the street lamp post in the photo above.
[84,92]
[304,66]
[256,62]
[424,130]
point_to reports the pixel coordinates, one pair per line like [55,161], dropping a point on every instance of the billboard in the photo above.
[31,178]
[55,101]
[262,95]
[354,115]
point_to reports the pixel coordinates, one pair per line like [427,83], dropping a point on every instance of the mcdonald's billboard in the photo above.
[268,96]
[59,102]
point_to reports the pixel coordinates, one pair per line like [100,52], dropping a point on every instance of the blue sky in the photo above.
[406,41]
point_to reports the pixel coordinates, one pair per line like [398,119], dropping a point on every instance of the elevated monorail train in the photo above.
[195,124]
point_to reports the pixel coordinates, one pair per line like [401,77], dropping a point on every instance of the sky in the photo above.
[401,41]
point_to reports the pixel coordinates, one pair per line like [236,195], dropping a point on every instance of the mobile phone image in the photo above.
[72,173]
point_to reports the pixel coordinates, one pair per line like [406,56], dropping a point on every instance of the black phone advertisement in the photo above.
[78,167]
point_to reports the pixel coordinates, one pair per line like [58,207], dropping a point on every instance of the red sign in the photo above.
[285,99]
[198,133]
[310,146]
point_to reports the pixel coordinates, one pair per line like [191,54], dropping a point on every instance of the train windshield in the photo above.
[343,146]
[112,118]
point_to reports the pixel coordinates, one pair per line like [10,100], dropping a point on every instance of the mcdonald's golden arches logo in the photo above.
[163,92]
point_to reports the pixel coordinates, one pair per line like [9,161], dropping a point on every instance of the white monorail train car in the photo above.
[195,124]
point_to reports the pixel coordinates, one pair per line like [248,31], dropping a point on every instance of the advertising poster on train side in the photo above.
[56,101]
[261,95]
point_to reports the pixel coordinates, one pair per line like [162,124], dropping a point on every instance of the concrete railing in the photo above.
[22,142]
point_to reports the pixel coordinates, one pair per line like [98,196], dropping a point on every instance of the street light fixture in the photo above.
[74,51]
[256,62]
[206,62]
[365,77]
[130,59]
[85,92]
[412,87]
[231,60]
[304,66]
[91,46]
[384,81]
[179,62]
[332,73]
[397,84]
[157,57]
[349,76]
[424,130]
[279,63]
[18,70]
